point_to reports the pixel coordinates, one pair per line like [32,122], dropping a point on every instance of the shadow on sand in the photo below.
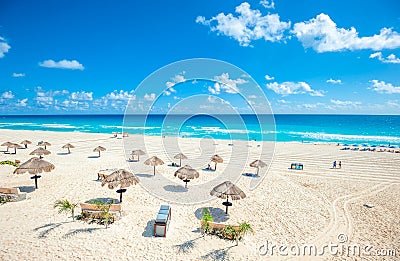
[175,188]
[187,247]
[80,231]
[48,228]
[217,213]
[27,189]
[149,229]
[218,254]
[142,175]
[93,157]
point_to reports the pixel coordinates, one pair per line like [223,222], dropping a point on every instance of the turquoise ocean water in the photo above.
[350,129]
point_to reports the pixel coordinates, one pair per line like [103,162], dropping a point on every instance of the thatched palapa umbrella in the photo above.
[225,190]
[154,161]
[7,144]
[45,144]
[137,153]
[25,143]
[99,148]
[216,159]
[34,166]
[40,152]
[180,156]
[15,146]
[186,173]
[258,164]
[68,146]
[122,178]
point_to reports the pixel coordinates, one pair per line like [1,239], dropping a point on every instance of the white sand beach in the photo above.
[310,206]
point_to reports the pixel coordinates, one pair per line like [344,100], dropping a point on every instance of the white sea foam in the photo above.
[129,127]
[329,136]
[17,123]
[218,129]
[58,126]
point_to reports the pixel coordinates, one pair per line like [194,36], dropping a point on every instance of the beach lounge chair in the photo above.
[162,221]
[12,194]
[298,166]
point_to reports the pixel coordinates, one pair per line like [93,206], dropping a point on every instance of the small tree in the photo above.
[244,228]
[105,216]
[207,217]
[66,206]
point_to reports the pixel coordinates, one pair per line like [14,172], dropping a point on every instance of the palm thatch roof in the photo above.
[25,142]
[7,143]
[186,172]
[138,152]
[68,145]
[14,146]
[99,148]
[217,158]
[34,166]
[228,189]
[180,156]
[122,178]
[258,164]
[154,161]
[45,143]
[40,151]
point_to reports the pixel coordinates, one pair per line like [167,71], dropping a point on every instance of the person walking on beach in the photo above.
[340,164]
[334,164]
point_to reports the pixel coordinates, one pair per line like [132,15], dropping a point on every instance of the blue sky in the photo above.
[318,56]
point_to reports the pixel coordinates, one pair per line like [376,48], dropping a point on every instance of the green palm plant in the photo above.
[65,206]
[207,217]
[105,216]
[244,228]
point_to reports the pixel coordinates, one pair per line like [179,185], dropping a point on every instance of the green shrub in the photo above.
[9,162]
[65,206]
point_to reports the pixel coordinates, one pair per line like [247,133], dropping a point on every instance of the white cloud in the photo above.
[249,25]
[150,97]
[22,103]
[391,58]
[268,4]
[17,75]
[269,78]
[7,95]
[216,89]
[309,106]
[82,96]
[252,97]
[63,92]
[323,35]
[121,95]
[338,81]
[283,101]
[226,84]
[46,98]
[4,47]
[211,99]
[345,103]
[63,64]
[382,87]
[393,103]
[288,88]
[174,80]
